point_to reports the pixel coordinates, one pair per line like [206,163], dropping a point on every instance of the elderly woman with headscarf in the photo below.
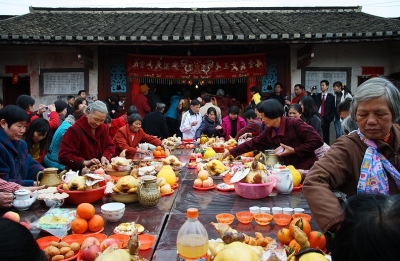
[87,142]
[363,162]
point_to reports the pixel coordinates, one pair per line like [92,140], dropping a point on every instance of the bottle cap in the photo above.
[192,212]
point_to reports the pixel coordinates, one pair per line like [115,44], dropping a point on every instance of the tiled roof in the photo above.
[213,25]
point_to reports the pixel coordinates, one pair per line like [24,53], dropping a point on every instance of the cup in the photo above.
[298,210]
[277,210]
[288,211]
[265,210]
[254,209]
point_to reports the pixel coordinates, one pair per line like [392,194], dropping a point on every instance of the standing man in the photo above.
[326,103]
[207,104]
[61,109]
[340,96]
[300,91]
[141,101]
[82,94]
[277,93]
[191,120]
[155,122]
[70,102]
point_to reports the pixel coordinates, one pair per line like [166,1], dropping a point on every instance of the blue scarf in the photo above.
[373,179]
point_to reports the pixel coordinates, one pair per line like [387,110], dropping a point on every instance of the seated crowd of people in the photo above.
[362,160]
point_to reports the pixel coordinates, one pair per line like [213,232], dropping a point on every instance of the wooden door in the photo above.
[12,91]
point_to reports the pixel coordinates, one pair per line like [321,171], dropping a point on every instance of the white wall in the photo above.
[354,55]
[46,57]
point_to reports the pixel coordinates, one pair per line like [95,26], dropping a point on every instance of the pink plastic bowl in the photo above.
[255,191]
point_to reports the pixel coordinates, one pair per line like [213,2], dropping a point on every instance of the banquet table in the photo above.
[164,220]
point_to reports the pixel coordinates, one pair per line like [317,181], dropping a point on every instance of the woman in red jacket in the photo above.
[129,137]
[87,142]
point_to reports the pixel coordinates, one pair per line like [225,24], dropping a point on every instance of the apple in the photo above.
[199,155]
[89,241]
[108,242]
[193,156]
[90,253]
[12,215]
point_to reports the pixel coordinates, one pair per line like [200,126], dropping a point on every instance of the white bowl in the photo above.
[113,212]
[54,202]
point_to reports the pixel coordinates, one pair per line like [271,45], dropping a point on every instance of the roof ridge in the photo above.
[195,9]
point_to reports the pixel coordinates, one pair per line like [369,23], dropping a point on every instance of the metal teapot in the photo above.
[270,158]
[50,177]
[148,192]
[23,200]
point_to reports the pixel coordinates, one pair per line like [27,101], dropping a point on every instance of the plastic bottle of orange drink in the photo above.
[192,240]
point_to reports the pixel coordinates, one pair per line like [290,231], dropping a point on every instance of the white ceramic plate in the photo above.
[239,175]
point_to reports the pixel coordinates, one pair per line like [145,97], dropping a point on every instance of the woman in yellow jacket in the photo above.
[255,95]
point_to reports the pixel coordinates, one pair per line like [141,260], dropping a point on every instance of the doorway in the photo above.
[12,91]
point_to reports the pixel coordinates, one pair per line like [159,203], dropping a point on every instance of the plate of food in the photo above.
[167,194]
[202,188]
[225,187]
[127,228]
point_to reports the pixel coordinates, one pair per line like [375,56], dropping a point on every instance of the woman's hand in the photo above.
[6,199]
[244,136]
[287,150]
[88,163]
[226,154]
[104,161]
[218,127]
[34,188]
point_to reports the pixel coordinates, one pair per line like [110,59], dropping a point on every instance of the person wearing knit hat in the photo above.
[25,102]
[141,102]
[61,109]
[144,88]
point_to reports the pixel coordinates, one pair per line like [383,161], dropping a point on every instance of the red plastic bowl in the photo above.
[45,241]
[255,191]
[78,238]
[263,219]
[303,216]
[86,196]
[146,241]
[282,219]
[218,149]
[245,217]
[225,218]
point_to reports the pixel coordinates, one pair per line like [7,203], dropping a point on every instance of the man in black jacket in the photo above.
[155,122]
[326,107]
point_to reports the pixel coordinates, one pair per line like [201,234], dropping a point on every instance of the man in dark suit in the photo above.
[155,123]
[326,107]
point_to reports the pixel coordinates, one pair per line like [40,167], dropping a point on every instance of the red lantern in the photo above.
[15,78]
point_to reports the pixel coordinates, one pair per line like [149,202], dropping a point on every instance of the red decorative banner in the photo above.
[16,69]
[196,67]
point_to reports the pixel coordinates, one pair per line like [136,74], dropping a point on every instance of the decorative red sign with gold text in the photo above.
[196,67]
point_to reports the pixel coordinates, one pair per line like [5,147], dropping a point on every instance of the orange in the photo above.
[156,153]
[85,210]
[284,236]
[158,148]
[162,153]
[96,223]
[317,240]
[302,224]
[79,225]
[294,245]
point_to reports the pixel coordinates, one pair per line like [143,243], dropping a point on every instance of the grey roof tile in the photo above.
[129,25]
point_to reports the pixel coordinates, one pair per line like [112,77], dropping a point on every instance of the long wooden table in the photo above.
[164,220]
